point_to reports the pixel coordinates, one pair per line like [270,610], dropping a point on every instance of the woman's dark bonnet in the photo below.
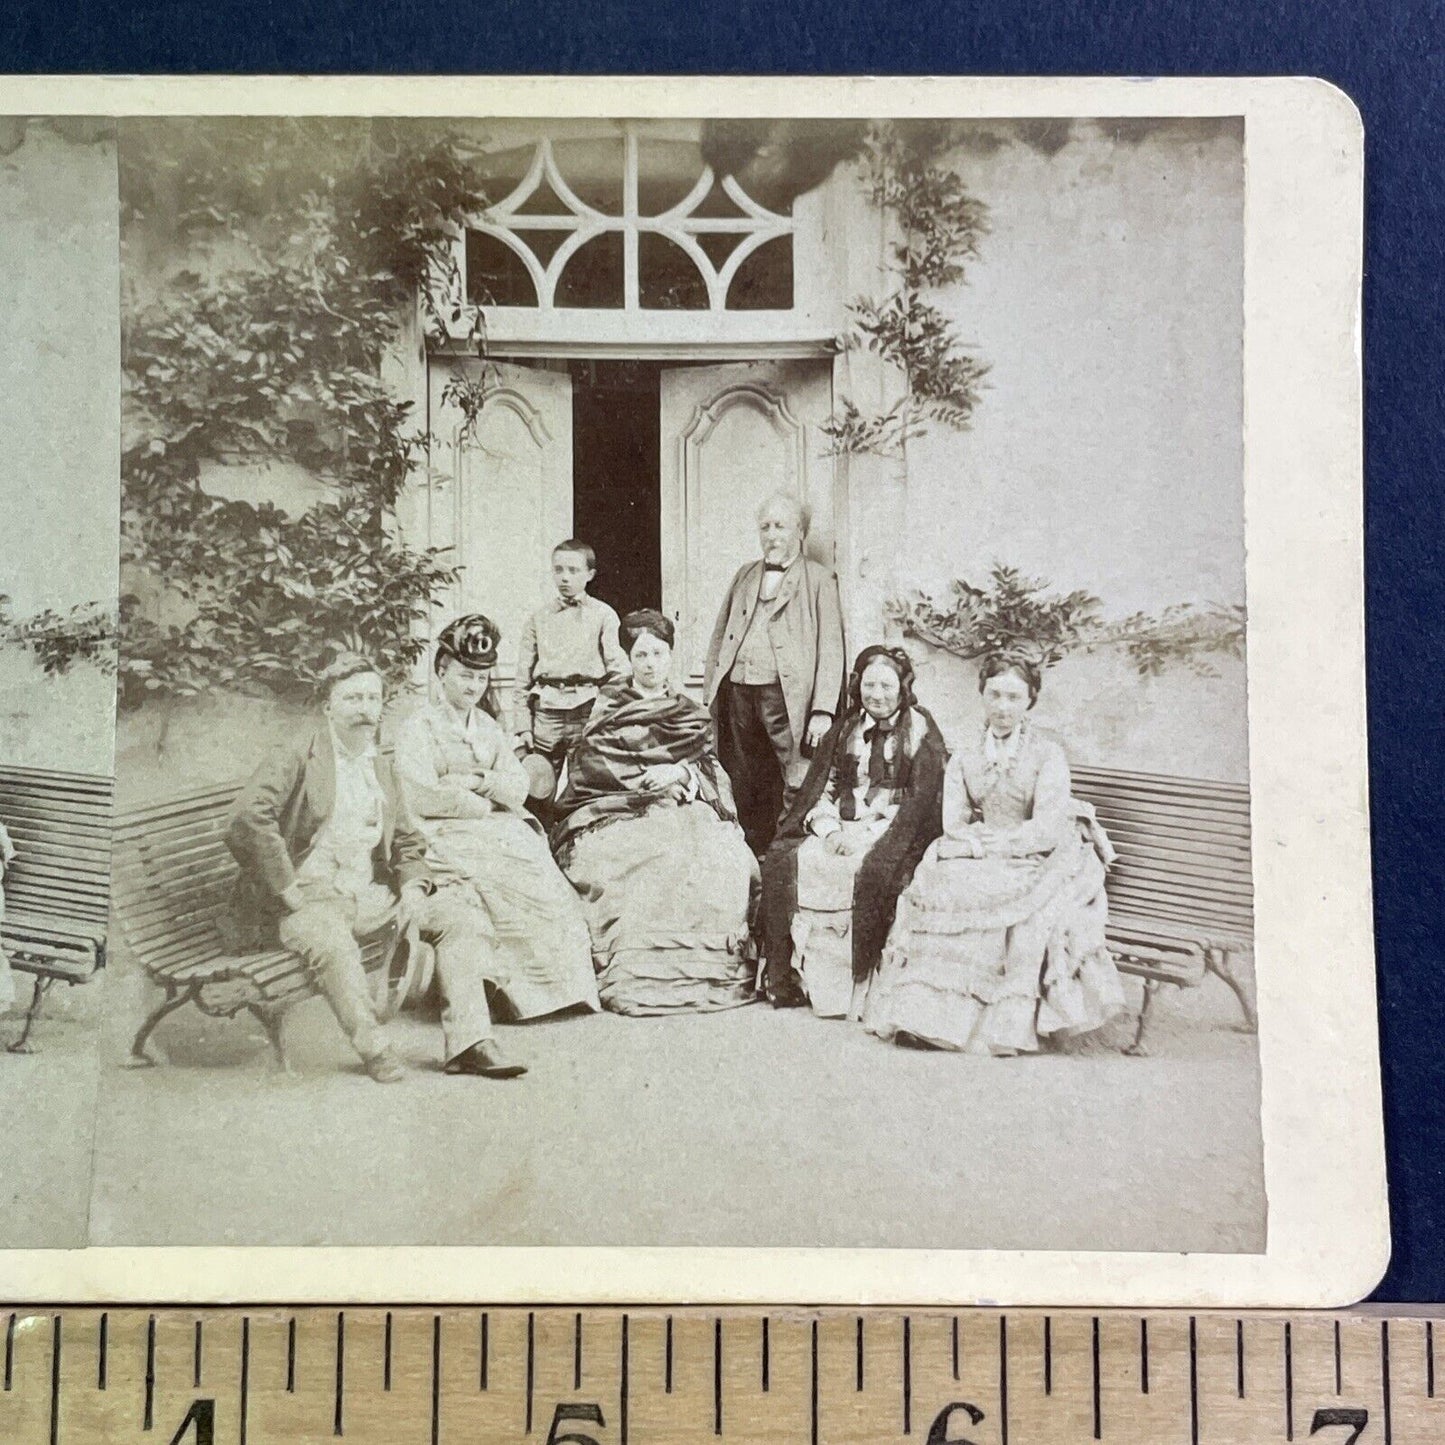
[897,659]
[646,622]
[998,663]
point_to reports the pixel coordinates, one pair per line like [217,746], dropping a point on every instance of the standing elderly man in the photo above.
[329,855]
[774,669]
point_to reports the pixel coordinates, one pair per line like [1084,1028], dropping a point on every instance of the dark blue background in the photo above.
[1389,56]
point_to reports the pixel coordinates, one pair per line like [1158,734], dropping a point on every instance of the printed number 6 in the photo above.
[563,1413]
[938,1431]
[1325,1418]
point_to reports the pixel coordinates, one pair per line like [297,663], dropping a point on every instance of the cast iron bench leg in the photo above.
[1220,961]
[139,1059]
[22,1045]
[271,1020]
[1139,1049]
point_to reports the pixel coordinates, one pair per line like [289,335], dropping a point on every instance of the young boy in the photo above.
[568,651]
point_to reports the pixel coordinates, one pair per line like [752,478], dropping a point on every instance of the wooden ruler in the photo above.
[561,1376]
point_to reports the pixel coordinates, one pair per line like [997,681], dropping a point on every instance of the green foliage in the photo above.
[1022,616]
[301,246]
[939,225]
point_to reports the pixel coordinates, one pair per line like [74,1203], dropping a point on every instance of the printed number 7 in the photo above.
[1325,1418]
[563,1413]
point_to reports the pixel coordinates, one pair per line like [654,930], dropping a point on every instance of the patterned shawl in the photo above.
[626,733]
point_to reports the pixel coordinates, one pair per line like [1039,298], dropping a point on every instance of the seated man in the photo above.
[329,855]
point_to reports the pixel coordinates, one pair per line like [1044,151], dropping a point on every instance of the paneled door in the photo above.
[731,435]
[502,489]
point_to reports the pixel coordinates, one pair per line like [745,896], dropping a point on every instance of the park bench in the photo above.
[58,885]
[174,878]
[1181,892]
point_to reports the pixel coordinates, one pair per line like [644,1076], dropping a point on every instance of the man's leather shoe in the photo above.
[484,1059]
[385,1067]
[785,992]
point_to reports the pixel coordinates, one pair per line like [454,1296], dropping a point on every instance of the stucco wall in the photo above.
[59,432]
[1106,453]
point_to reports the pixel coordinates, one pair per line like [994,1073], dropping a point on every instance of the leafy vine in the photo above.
[272,266]
[1020,615]
[939,226]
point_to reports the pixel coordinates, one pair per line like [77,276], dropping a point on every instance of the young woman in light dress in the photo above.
[998,943]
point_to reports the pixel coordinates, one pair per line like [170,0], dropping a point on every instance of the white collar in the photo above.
[996,748]
[367,754]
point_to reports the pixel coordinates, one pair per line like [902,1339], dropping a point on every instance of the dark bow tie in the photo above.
[876,735]
[774,567]
[571,601]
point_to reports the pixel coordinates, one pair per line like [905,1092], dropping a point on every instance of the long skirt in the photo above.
[667,897]
[993,955]
[822,927]
[543,956]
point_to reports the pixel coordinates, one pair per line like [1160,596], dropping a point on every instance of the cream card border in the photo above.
[1328,1237]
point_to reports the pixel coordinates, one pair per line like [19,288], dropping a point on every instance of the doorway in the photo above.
[617,478]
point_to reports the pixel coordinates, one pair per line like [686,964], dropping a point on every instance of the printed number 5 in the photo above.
[1325,1418]
[563,1413]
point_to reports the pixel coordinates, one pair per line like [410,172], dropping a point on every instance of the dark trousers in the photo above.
[756,747]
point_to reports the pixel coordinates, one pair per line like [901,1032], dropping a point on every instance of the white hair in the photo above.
[794,503]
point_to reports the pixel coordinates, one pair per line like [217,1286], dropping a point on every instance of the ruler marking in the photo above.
[955,1347]
[1048,1355]
[337,1421]
[813,1389]
[1003,1379]
[667,1362]
[482,1369]
[1098,1408]
[1385,1375]
[1288,1383]
[150,1377]
[386,1353]
[1194,1382]
[765,1355]
[246,1373]
[1239,1358]
[907,1375]
[100,1351]
[1429,1359]
[55,1381]
[717,1372]
[291,1356]
[531,1364]
[858,1350]
[196,1359]
[1338,1381]
[577,1351]
[9,1351]
[436,1375]
[1144,1356]
[622,1384]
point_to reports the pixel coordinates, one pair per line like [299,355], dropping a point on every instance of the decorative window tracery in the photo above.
[632,222]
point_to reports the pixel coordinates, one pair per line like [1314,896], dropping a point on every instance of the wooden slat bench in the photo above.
[57,888]
[1181,894]
[173,882]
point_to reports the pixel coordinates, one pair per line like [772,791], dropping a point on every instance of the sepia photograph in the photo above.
[707,656]
[758,687]
[59,498]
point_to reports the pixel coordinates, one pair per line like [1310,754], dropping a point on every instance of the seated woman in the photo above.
[649,837]
[999,940]
[467,790]
[868,808]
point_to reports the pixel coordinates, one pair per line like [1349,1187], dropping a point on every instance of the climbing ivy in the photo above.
[939,225]
[270,266]
[1022,616]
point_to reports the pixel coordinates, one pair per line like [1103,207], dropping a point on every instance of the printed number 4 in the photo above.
[592,1414]
[202,1415]
[1326,1418]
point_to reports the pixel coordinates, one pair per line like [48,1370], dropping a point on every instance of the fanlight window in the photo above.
[627,222]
